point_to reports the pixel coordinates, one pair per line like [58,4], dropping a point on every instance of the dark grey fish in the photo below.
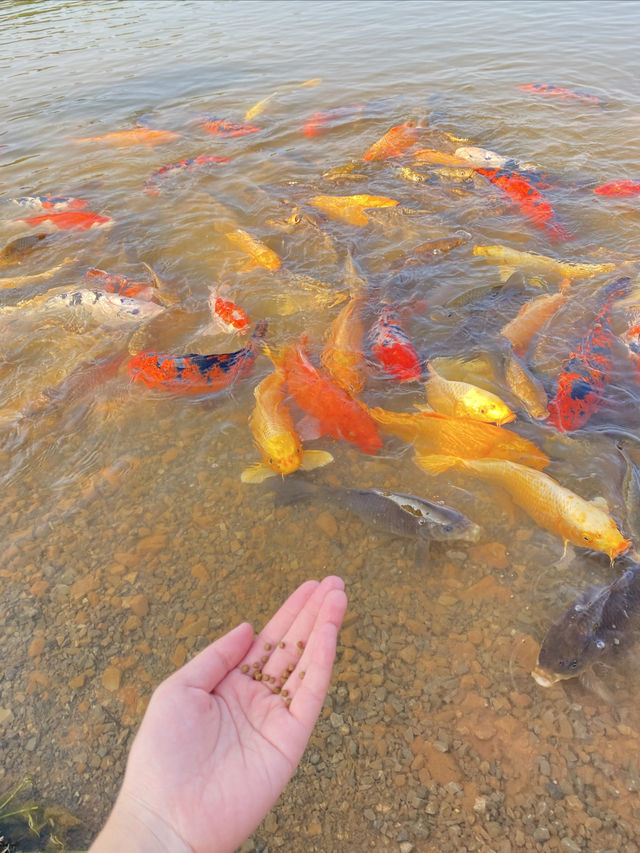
[594,625]
[401,515]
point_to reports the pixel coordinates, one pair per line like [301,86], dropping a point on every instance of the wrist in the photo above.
[132,828]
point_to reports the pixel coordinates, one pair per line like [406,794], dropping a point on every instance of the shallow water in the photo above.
[128,540]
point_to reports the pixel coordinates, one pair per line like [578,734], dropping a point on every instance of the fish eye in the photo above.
[573,664]
[586,538]
[448,528]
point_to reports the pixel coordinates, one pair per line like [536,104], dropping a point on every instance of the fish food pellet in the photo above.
[281,644]
[244,667]
[264,658]
[257,676]
[267,647]
[276,690]
[256,665]
[301,674]
[300,644]
[285,692]
[287,701]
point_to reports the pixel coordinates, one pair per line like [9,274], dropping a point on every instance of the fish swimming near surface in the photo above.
[434,434]
[399,514]
[333,411]
[511,260]
[137,136]
[524,385]
[322,121]
[392,347]
[259,253]
[489,159]
[342,355]
[465,400]
[152,184]
[115,283]
[84,304]
[585,375]
[261,105]
[226,316]
[438,158]
[275,435]
[531,318]
[394,143]
[532,204]
[551,91]
[619,189]
[351,209]
[226,128]
[9,282]
[596,624]
[425,252]
[69,220]
[194,373]
[42,202]
[557,509]
[17,250]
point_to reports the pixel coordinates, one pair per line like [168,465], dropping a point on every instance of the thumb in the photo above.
[209,667]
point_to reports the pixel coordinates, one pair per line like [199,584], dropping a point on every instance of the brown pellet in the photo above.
[257,676]
[267,647]
[244,667]
[300,644]
[301,674]
[256,665]
[287,701]
[264,658]
[281,644]
[276,690]
[285,692]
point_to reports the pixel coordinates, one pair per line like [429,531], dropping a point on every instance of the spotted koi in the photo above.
[224,127]
[391,346]
[548,90]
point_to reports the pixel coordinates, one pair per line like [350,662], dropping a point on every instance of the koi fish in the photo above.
[511,260]
[72,220]
[529,390]
[464,400]
[137,136]
[532,204]
[258,108]
[392,348]
[342,356]
[261,255]
[17,280]
[226,315]
[97,305]
[45,202]
[425,251]
[224,127]
[530,319]
[631,339]
[446,436]
[194,373]
[114,283]
[394,143]
[322,121]
[336,413]
[350,208]
[552,506]
[586,374]
[549,90]
[489,159]
[621,189]
[181,166]
[14,252]
[275,434]
[590,629]
[438,158]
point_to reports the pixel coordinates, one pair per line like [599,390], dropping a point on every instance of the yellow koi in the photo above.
[258,108]
[526,388]
[261,255]
[342,355]
[350,208]
[464,400]
[442,158]
[511,260]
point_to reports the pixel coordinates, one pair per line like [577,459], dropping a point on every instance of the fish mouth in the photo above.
[545,678]
[506,419]
[622,547]
[471,534]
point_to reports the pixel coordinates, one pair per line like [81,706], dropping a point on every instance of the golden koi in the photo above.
[530,319]
[432,432]
[260,107]
[552,506]
[394,143]
[342,355]
[526,388]
[261,255]
[275,434]
[464,400]
[137,136]
[442,158]
[350,208]
[511,260]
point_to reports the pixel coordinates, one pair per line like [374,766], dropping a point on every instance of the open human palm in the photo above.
[223,735]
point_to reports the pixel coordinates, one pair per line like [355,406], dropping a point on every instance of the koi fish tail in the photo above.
[558,233]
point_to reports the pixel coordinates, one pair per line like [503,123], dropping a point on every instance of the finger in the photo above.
[309,682]
[211,665]
[282,660]
[278,626]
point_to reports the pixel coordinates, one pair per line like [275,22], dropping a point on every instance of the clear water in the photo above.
[111,491]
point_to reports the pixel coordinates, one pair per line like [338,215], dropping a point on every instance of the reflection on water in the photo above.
[128,539]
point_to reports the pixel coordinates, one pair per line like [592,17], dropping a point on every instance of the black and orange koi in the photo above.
[562,92]
[151,184]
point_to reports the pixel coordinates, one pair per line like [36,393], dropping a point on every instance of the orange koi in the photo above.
[195,373]
[552,506]
[137,136]
[350,208]
[433,433]
[391,346]
[114,283]
[322,121]
[394,143]
[226,315]
[532,204]
[226,128]
[621,189]
[549,90]
[586,374]
[530,318]
[439,158]
[261,255]
[337,414]
[342,356]
[70,220]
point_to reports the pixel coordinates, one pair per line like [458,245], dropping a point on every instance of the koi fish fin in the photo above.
[601,503]
[437,463]
[315,459]
[423,407]
[309,428]
[257,473]
[505,272]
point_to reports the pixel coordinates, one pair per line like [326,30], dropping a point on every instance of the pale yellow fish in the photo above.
[464,400]
[348,172]
[529,390]
[531,318]
[342,356]
[261,255]
[552,506]
[275,435]
[258,108]
[350,208]
[511,260]
[19,280]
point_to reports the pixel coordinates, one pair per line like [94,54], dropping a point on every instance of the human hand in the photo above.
[216,746]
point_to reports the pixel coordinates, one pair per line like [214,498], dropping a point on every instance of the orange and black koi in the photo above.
[180,166]
[621,189]
[559,92]
[392,348]
[224,127]
[532,204]
[195,373]
[586,374]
